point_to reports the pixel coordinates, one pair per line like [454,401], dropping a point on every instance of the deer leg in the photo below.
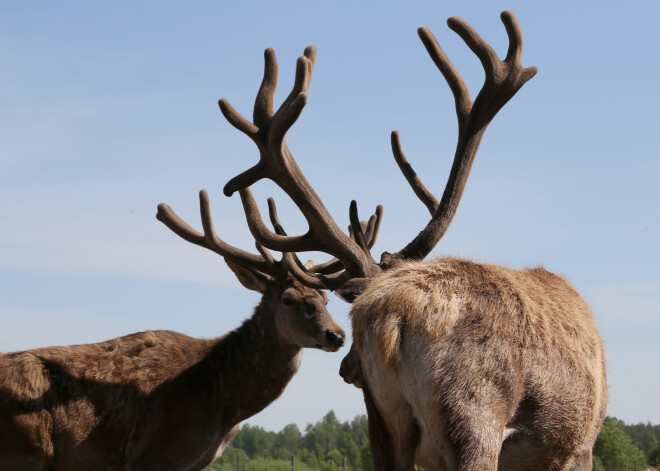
[581,462]
[379,439]
[473,415]
[405,437]
[474,423]
[393,443]
[393,430]
[477,455]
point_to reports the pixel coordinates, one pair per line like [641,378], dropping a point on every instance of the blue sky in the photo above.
[107,109]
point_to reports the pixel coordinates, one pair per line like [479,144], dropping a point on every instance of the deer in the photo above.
[463,365]
[160,400]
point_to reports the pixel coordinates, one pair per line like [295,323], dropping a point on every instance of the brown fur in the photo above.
[472,365]
[153,400]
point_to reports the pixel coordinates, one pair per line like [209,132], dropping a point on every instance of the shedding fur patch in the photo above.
[413,294]
[430,297]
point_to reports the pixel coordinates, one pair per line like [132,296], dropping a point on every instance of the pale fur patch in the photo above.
[413,294]
[531,305]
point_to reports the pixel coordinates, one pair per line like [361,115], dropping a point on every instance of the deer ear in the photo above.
[350,290]
[251,279]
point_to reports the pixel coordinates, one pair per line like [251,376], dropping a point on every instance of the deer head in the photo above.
[299,312]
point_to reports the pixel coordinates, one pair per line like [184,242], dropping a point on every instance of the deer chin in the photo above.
[330,340]
[317,343]
[327,348]
[323,345]
[327,343]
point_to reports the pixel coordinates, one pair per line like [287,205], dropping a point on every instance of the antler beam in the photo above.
[210,240]
[502,82]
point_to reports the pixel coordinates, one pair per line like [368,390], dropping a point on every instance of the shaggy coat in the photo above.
[479,367]
[153,401]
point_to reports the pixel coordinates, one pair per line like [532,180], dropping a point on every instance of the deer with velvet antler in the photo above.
[160,400]
[464,366]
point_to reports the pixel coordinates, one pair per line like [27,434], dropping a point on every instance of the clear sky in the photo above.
[108,108]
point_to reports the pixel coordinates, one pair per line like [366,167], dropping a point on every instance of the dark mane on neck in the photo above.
[252,354]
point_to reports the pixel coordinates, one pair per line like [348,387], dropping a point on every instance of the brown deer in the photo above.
[464,366]
[163,401]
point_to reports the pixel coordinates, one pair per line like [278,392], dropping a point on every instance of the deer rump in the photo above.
[478,365]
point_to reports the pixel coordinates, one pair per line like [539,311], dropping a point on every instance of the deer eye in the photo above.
[287,301]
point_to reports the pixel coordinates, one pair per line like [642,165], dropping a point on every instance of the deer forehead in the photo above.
[301,292]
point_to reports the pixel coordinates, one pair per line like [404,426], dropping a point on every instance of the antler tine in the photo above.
[370,234]
[293,106]
[363,226]
[430,201]
[270,128]
[268,257]
[370,229]
[276,163]
[263,104]
[296,267]
[258,171]
[274,219]
[458,87]
[280,241]
[267,238]
[313,279]
[288,245]
[475,42]
[167,216]
[358,230]
[209,239]
[304,69]
[334,265]
[514,32]
[373,226]
[503,80]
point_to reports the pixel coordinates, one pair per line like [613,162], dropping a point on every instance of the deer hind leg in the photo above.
[582,462]
[469,448]
[394,432]
[476,450]
[379,438]
[471,412]
[394,435]
[406,439]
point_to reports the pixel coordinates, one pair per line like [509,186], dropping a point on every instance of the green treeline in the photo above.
[324,445]
[621,447]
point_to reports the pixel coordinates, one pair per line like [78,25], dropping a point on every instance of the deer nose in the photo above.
[336,340]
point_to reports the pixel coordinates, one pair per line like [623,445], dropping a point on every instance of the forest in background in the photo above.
[329,444]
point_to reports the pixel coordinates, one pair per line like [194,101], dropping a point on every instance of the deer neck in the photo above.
[254,365]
